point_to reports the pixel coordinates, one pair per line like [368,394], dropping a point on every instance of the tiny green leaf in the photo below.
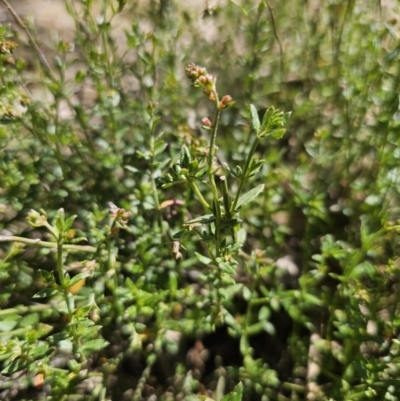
[254,119]
[159,147]
[46,276]
[229,223]
[60,220]
[68,222]
[46,292]
[238,172]
[203,259]
[8,325]
[227,267]
[79,277]
[235,395]
[29,320]
[131,169]
[206,219]
[250,196]
[14,366]
[185,157]
[179,235]
[201,173]
[207,237]
[94,345]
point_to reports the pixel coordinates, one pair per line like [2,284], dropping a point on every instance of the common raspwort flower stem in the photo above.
[211,174]
[244,174]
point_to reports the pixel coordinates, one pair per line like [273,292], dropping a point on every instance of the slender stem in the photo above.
[110,260]
[244,174]
[213,135]
[271,13]
[154,186]
[25,309]
[45,244]
[69,299]
[52,230]
[225,196]
[60,270]
[157,202]
[217,209]
[196,190]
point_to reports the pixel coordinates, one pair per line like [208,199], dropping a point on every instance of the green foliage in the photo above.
[161,239]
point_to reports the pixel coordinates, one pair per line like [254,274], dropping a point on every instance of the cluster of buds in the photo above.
[36,219]
[120,215]
[7,113]
[7,47]
[201,79]
[66,47]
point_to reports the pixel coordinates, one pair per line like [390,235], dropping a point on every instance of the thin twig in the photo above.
[45,244]
[271,13]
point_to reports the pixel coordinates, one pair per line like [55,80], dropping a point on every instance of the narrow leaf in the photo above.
[250,196]
[14,366]
[203,259]
[131,169]
[79,277]
[8,325]
[46,292]
[207,237]
[254,119]
[68,222]
[94,345]
[159,147]
[229,223]
[227,267]
[185,157]
[46,276]
[201,173]
[206,219]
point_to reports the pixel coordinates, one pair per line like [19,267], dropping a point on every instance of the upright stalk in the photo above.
[244,174]
[216,208]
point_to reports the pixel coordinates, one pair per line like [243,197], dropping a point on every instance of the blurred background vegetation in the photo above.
[314,313]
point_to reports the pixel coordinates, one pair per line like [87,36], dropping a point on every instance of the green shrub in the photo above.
[169,233]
